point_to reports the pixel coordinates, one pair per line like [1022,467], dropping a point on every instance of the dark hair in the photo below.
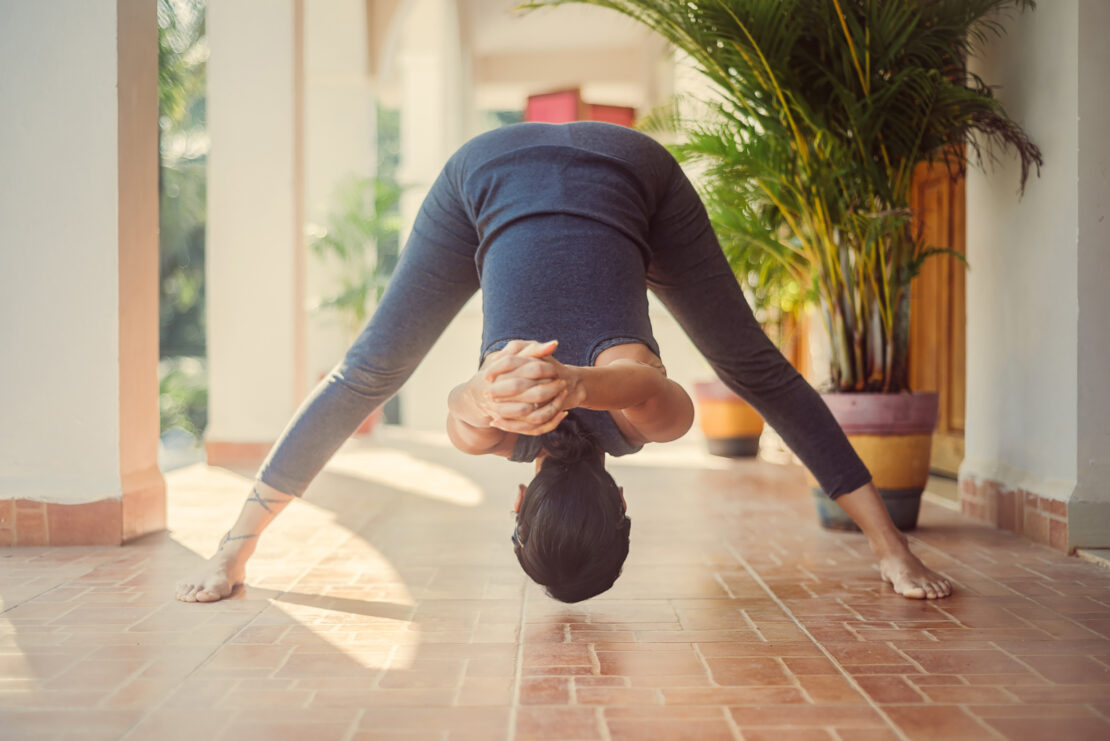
[572,533]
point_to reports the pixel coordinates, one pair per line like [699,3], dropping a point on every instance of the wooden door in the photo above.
[938,314]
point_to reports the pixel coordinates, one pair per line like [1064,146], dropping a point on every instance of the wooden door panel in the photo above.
[937,321]
[958,302]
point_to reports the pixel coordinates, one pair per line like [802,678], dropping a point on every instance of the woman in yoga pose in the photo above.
[564,227]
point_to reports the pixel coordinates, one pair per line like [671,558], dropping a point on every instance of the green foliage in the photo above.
[181,259]
[182,55]
[183,394]
[825,108]
[388,141]
[364,218]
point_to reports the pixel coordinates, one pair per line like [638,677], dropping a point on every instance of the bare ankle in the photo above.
[236,548]
[889,543]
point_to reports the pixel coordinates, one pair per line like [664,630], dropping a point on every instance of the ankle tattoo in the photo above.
[228,537]
[256,496]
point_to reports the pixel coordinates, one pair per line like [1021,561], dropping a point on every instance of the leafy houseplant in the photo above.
[361,240]
[824,110]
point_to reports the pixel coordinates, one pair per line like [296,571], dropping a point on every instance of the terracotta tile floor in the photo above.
[388,604]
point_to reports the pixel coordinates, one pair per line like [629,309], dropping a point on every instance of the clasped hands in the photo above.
[522,389]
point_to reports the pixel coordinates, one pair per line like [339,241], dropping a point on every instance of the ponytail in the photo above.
[570,441]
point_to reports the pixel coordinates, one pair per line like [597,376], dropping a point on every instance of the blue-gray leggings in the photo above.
[437,275]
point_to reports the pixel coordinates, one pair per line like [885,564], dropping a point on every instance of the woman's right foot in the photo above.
[223,572]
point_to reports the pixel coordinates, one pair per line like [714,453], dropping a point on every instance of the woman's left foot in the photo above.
[911,578]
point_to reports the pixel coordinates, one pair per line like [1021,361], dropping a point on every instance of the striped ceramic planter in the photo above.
[893,434]
[732,428]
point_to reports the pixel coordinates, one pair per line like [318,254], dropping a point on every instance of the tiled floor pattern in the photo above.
[388,605]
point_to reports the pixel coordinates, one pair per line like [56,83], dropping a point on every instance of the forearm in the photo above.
[617,386]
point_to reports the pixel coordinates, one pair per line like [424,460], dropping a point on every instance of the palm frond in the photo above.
[806,158]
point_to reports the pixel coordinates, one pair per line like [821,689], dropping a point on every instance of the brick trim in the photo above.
[25,522]
[1018,511]
[220,453]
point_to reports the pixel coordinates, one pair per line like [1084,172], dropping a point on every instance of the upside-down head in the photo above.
[572,533]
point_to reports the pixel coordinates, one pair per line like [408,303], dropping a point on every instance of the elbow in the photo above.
[681,420]
[665,417]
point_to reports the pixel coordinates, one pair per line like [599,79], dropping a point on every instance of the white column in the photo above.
[1089,508]
[78,273]
[340,142]
[1021,288]
[430,67]
[255,246]
[1038,414]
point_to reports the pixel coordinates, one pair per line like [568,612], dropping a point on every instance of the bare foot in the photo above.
[223,572]
[911,578]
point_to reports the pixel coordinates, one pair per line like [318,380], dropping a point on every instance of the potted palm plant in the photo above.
[824,110]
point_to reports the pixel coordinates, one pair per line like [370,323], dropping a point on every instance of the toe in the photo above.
[912,591]
[208,595]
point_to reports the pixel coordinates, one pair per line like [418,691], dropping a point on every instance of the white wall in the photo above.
[1022,300]
[59,438]
[252,227]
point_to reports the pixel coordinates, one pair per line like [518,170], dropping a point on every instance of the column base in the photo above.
[1021,512]
[143,509]
[114,521]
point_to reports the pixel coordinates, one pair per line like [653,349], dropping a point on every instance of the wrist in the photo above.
[476,403]
[577,386]
[465,403]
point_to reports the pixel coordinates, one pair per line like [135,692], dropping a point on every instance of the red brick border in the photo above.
[1038,518]
[25,522]
[228,454]
[112,521]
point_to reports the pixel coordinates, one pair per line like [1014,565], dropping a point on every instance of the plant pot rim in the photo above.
[875,413]
[879,393]
[714,390]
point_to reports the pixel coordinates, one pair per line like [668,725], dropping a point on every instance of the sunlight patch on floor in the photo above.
[310,567]
[405,472]
[16,673]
